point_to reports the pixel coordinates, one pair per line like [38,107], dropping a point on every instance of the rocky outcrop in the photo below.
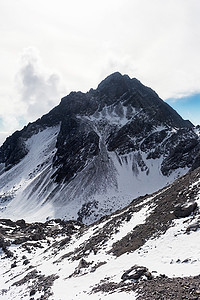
[136,273]
[76,144]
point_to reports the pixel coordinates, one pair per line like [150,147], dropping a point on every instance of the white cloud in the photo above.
[38,88]
[35,91]
[156,41]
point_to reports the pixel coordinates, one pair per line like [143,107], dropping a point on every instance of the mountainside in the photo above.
[148,250]
[94,153]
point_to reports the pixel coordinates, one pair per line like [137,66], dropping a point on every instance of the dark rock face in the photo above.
[13,150]
[183,149]
[76,143]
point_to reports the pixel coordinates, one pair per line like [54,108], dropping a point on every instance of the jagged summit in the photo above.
[118,89]
[95,152]
[115,85]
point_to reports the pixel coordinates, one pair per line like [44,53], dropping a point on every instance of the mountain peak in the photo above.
[93,153]
[116,76]
[114,85]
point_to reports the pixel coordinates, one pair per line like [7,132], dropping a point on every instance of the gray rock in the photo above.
[135,273]
[182,212]
[193,227]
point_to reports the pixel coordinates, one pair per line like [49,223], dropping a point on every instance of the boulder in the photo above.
[21,223]
[182,212]
[135,273]
[193,227]
[13,265]
[32,292]
[83,264]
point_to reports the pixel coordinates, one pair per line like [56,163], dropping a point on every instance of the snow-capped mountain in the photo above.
[94,153]
[148,250]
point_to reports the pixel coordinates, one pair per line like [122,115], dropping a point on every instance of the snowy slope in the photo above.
[31,176]
[88,262]
[109,182]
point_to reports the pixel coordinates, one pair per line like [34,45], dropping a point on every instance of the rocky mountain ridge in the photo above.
[147,250]
[95,152]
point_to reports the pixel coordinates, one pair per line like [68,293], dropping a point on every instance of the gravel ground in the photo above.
[164,288]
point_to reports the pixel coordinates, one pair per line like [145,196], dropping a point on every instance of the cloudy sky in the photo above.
[51,47]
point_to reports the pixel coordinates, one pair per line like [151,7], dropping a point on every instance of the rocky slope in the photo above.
[94,153]
[148,250]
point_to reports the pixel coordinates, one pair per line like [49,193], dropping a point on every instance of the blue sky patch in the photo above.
[187,107]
